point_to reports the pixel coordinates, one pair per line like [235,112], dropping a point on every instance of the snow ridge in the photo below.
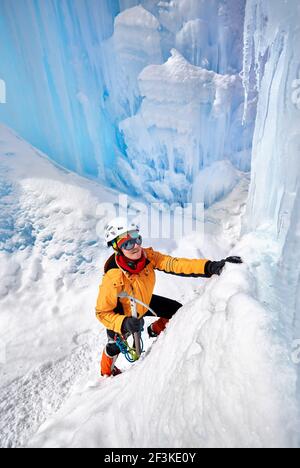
[219,381]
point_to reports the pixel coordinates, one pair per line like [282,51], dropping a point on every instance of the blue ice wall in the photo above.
[274,197]
[79,88]
[51,61]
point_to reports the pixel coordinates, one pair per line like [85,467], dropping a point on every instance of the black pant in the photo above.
[162,306]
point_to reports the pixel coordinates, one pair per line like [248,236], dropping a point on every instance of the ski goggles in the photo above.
[130,241]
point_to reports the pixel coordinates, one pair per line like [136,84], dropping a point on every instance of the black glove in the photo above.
[236,260]
[131,325]
[216,268]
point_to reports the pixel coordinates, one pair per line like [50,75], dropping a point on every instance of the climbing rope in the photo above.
[129,353]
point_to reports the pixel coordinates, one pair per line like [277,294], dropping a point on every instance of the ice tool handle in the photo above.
[124,295]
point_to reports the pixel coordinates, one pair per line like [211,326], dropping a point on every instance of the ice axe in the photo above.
[133,305]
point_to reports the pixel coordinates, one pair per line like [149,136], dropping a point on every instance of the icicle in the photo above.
[249,31]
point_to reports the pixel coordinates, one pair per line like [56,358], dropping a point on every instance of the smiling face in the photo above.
[133,242]
[134,254]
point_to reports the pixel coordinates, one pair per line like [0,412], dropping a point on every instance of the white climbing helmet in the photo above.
[117,227]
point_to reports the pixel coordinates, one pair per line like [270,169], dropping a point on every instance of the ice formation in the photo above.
[80,70]
[273,204]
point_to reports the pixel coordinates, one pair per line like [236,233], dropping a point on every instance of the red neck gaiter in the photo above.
[134,267]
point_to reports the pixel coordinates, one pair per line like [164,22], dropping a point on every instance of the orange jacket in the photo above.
[111,311]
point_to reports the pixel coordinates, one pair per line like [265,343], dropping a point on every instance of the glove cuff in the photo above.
[207,269]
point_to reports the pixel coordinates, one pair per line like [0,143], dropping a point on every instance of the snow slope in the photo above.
[209,381]
[49,255]
[221,371]
[48,247]
[51,262]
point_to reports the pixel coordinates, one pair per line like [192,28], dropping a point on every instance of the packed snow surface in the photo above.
[219,376]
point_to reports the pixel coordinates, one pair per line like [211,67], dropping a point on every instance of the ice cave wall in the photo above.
[272,65]
[84,86]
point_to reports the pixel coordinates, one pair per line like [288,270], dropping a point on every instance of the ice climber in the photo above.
[131,269]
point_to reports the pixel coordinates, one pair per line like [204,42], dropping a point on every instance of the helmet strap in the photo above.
[114,245]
